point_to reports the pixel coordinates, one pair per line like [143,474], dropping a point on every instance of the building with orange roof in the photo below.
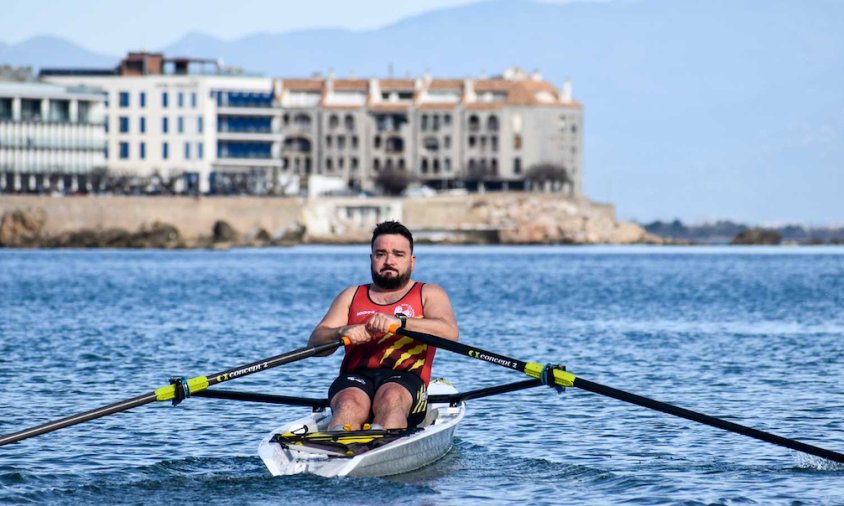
[221,131]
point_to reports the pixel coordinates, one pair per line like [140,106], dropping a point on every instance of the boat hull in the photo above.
[403,455]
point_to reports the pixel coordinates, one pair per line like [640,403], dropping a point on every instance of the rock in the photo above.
[157,235]
[22,228]
[223,232]
[757,236]
[262,236]
[293,233]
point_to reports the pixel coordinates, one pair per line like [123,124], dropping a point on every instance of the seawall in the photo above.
[513,217]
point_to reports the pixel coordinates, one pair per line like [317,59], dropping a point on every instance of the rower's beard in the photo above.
[392,282]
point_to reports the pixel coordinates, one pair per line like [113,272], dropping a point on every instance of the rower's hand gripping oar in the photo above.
[179,389]
[566,379]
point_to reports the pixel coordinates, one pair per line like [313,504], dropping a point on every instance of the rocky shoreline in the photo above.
[144,222]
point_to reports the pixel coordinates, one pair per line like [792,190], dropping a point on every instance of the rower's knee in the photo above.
[392,396]
[351,403]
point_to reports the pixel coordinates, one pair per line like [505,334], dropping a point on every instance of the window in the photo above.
[446,119]
[424,122]
[517,165]
[354,142]
[517,141]
[328,141]
[6,109]
[329,165]
[435,120]
[142,125]
[193,99]
[187,151]
[142,98]
[163,99]
[181,99]
[165,151]
[341,142]
[123,99]
[181,123]
[123,122]
[199,125]
[354,163]
[474,123]
[492,124]
[424,166]
[471,141]
[124,150]
[165,124]
[447,164]
[333,121]
[447,142]
[199,150]
[142,150]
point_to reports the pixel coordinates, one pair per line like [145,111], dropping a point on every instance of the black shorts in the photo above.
[370,380]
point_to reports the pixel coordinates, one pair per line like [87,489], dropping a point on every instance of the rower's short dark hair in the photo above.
[392,227]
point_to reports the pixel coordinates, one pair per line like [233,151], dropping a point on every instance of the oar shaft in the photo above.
[567,379]
[93,414]
[269,363]
[706,419]
[165,393]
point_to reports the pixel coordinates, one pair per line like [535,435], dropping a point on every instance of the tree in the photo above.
[544,174]
[393,181]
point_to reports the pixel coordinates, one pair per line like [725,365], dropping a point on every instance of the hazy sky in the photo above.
[112,27]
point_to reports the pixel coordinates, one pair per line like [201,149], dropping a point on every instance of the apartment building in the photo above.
[194,126]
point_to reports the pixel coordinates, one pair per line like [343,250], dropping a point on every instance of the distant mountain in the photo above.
[703,109]
[46,51]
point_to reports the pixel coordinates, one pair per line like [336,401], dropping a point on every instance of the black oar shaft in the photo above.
[706,419]
[93,414]
[260,365]
[621,395]
[166,393]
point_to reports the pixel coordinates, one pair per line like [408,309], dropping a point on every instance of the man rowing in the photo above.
[384,377]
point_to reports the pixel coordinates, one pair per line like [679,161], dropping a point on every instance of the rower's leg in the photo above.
[391,406]
[350,406]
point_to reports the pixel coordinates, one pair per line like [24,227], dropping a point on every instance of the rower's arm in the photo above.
[337,317]
[439,316]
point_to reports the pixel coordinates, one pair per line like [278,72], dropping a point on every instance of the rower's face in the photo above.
[392,261]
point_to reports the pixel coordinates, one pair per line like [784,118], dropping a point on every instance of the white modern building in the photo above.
[183,122]
[52,138]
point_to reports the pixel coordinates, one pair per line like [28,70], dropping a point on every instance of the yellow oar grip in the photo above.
[167,393]
[562,378]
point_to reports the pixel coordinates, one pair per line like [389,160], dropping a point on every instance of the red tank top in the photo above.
[399,353]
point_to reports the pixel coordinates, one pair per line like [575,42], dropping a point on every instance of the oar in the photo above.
[567,379]
[169,392]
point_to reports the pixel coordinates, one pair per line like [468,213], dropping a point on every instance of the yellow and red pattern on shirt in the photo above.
[395,352]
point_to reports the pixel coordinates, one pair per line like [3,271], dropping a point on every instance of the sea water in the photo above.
[751,335]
